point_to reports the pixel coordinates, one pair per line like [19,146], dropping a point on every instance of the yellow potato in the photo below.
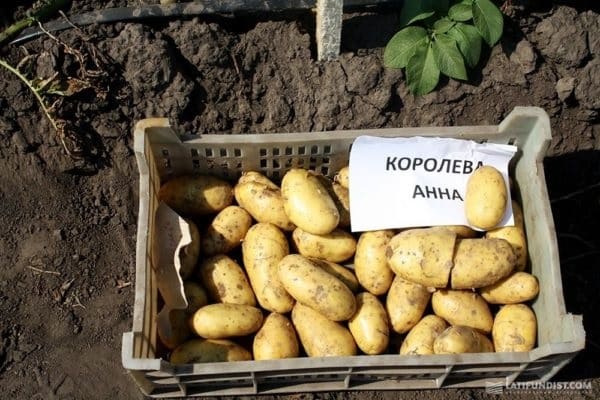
[276,339]
[421,337]
[339,271]
[226,281]
[516,288]
[195,295]
[370,262]
[264,246]
[311,285]
[406,303]
[336,246]
[369,325]
[253,176]
[515,328]
[481,262]
[226,231]
[343,177]
[341,198]
[462,231]
[188,255]
[221,321]
[485,198]
[463,307]
[196,194]
[177,331]
[320,336]
[263,203]
[205,351]
[516,237]
[422,256]
[518,214]
[462,339]
[307,202]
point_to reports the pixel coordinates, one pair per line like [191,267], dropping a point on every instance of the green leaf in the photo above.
[403,45]
[448,58]
[469,42]
[488,20]
[422,74]
[417,10]
[461,12]
[443,25]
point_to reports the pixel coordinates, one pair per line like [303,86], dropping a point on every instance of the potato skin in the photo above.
[518,215]
[307,202]
[481,262]
[177,332]
[422,256]
[343,177]
[226,281]
[204,351]
[196,194]
[485,198]
[312,286]
[320,336]
[515,328]
[188,256]
[516,288]
[253,176]
[421,337]
[195,295]
[369,325]
[339,271]
[276,339]
[515,236]
[264,246]
[462,231]
[463,307]
[370,262]
[226,231]
[406,302]
[336,246]
[221,321]
[263,203]
[462,339]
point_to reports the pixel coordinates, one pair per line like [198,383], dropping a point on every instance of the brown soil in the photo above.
[75,219]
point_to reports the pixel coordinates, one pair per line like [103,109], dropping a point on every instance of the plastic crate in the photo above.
[161,153]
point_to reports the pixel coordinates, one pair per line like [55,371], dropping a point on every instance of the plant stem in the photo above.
[44,12]
[33,89]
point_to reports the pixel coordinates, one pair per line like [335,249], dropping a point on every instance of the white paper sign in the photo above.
[417,181]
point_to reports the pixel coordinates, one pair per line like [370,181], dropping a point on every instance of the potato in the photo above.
[462,339]
[307,202]
[205,351]
[276,339]
[195,295]
[339,271]
[463,307]
[421,337]
[264,246]
[341,198]
[263,203]
[320,336]
[481,262]
[516,288]
[485,198]
[515,328]
[516,237]
[343,177]
[196,194]
[422,256]
[226,231]
[253,176]
[226,281]
[220,321]
[336,246]
[518,215]
[370,262]
[311,285]
[369,325]
[177,331]
[462,231]
[188,255]
[406,303]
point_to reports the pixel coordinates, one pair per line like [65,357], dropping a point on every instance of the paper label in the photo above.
[417,181]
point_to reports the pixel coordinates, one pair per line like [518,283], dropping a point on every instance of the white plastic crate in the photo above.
[161,153]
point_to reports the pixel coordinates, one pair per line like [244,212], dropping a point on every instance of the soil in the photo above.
[68,221]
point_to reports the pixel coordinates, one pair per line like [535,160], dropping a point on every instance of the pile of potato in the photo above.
[288,292]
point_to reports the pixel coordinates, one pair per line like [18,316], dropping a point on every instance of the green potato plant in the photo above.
[441,37]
